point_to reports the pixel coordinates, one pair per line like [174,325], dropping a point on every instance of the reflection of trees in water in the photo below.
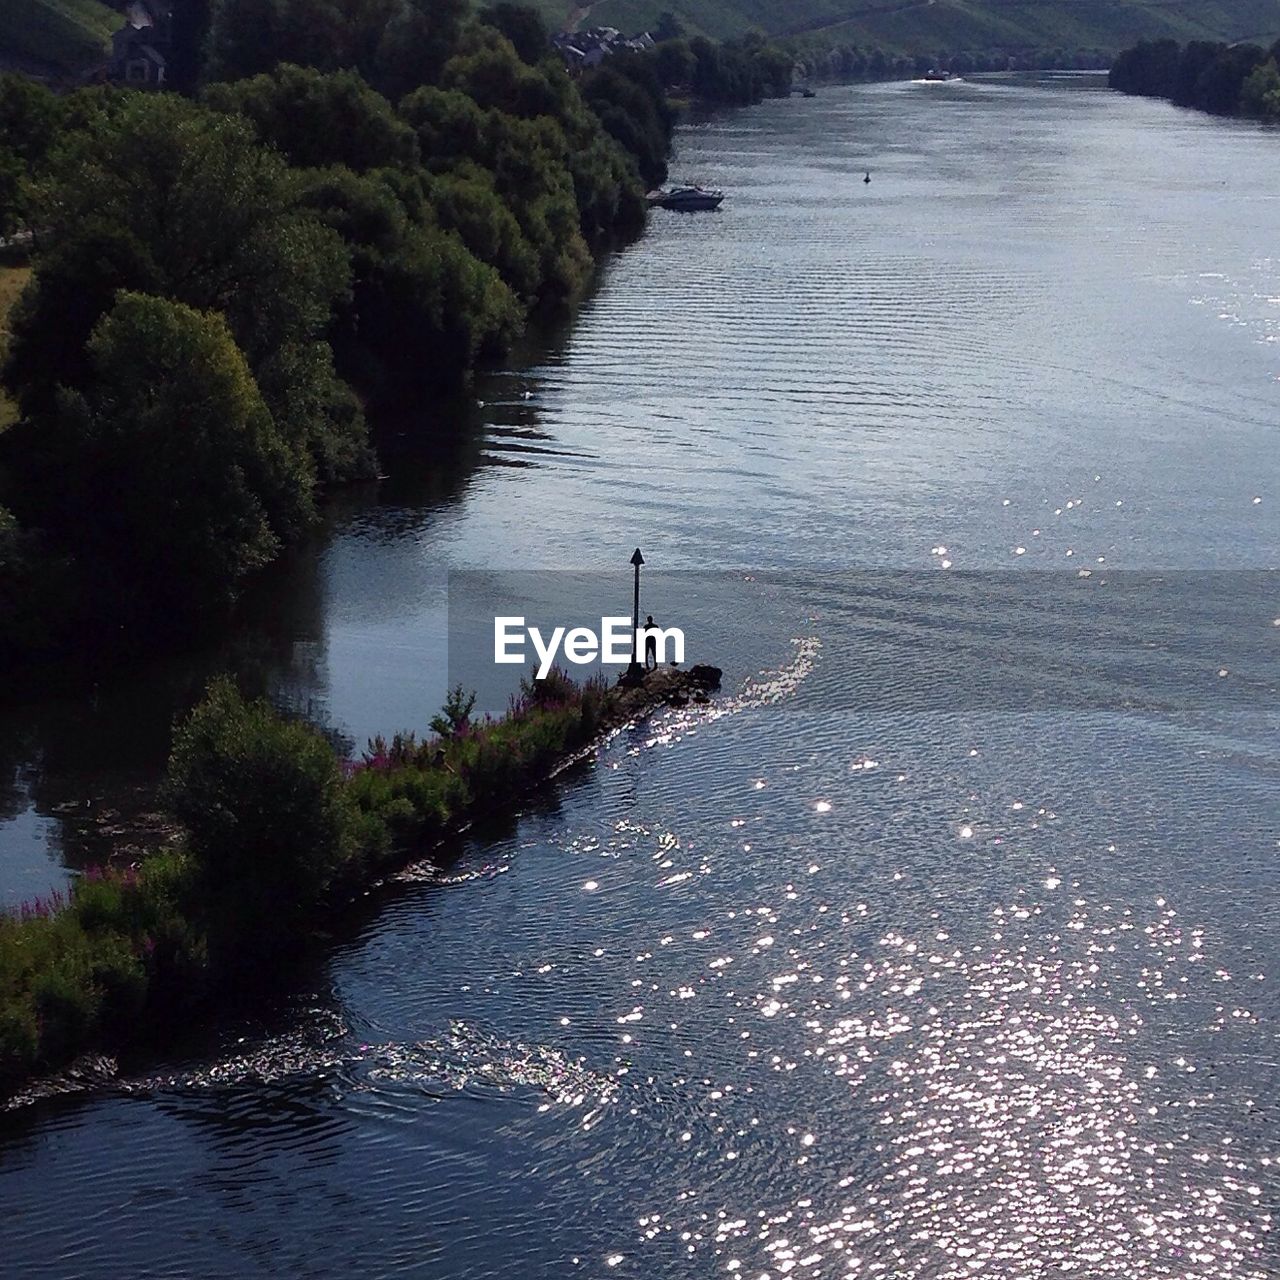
[17,763]
[92,758]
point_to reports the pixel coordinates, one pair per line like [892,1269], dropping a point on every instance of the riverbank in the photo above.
[279,836]
[442,203]
[1221,79]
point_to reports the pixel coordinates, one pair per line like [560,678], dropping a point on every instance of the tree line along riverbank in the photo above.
[278,834]
[1229,80]
[335,220]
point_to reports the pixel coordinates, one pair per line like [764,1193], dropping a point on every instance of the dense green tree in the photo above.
[1219,85]
[490,72]
[166,197]
[189,31]
[165,470]
[523,158]
[631,114]
[319,119]
[366,210]
[363,37]
[450,126]
[372,219]
[521,25]
[709,79]
[13,193]
[530,170]
[1223,79]
[74,284]
[1260,93]
[740,71]
[38,595]
[426,302]
[292,225]
[268,821]
[30,120]
[674,63]
[246,38]
[775,70]
[610,199]
[467,202]
[1150,67]
[431,310]
[416,43]
[1196,59]
[249,37]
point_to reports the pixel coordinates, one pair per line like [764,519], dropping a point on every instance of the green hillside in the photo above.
[922,26]
[64,36]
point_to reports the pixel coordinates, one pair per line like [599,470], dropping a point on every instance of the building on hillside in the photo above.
[584,49]
[140,49]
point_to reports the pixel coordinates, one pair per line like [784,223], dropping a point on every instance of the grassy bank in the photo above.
[280,835]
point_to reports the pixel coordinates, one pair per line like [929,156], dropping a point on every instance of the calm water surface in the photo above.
[828,981]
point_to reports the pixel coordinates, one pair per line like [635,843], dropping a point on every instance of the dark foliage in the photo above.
[524,27]
[1238,79]
[318,120]
[369,199]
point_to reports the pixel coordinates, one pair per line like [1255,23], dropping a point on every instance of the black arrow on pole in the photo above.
[635,671]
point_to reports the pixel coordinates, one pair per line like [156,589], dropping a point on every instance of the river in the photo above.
[944,944]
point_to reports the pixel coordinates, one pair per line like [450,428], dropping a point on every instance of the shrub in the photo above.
[455,716]
[117,977]
[19,1038]
[66,1005]
[270,824]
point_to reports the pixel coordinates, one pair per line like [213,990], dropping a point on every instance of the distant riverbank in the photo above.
[1227,80]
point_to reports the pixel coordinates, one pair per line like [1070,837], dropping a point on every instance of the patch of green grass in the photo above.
[67,36]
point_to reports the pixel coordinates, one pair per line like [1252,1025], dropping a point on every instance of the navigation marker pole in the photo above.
[635,672]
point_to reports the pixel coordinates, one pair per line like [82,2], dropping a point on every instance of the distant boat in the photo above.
[934,76]
[808,93]
[685,199]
